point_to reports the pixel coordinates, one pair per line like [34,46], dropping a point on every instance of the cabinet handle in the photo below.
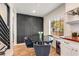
[66,42]
[72,49]
[76,50]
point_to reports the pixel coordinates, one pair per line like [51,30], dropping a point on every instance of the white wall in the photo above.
[15,27]
[3,12]
[58,12]
[13,30]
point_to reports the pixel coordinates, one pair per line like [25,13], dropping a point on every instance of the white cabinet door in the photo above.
[75,51]
[65,49]
[69,50]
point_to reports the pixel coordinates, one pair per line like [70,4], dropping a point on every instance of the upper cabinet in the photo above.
[71,6]
[72,19]
[72,11]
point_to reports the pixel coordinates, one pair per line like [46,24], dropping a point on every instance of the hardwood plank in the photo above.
[22,50]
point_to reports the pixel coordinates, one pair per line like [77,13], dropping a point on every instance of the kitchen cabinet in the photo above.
[70,6]
[71,17]
[68,49]
[75,51]
[65,49]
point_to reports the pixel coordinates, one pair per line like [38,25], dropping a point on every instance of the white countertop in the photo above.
[64,40]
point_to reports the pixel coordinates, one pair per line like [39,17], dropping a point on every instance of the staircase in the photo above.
[3,48]
[4,37]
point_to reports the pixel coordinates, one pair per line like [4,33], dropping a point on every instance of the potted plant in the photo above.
[74,35]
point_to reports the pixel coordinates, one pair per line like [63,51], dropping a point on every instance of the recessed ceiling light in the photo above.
[34,11]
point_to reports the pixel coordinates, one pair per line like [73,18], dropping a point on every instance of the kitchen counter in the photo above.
[67,38]
[75,40]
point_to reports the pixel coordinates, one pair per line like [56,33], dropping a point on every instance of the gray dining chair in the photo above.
[42,50]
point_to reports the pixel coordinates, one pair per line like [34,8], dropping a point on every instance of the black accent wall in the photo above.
[28,26]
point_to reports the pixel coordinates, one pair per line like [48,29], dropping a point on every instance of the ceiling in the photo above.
[35,9]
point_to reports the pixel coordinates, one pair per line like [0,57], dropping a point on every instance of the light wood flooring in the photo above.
[22,50]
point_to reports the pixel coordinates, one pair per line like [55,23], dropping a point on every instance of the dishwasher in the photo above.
[58,48]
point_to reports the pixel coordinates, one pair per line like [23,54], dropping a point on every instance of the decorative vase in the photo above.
[40,35]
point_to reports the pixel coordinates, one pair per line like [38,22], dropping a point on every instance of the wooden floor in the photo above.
[22,50]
